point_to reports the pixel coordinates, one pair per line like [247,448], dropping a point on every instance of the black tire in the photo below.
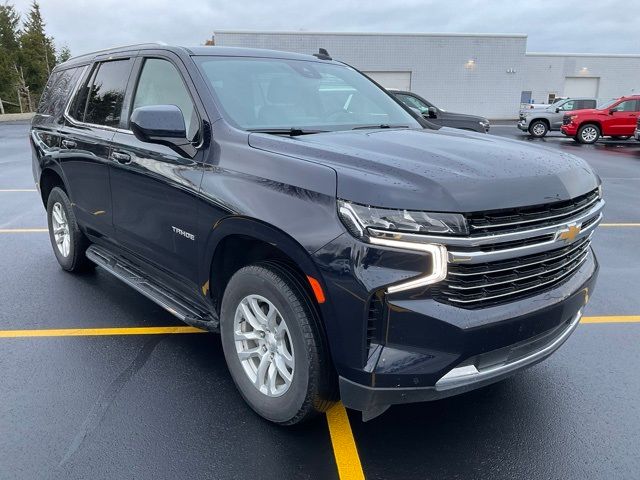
[621,137]
[75,260]
[538,128]
[588,133]
[312,386]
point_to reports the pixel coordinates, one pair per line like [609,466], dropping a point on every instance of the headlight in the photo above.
[387,227]
[359,218]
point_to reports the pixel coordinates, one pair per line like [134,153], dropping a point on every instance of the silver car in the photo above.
[539,121]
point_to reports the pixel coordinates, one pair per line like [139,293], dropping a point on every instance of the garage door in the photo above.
[581,87]
[395,80]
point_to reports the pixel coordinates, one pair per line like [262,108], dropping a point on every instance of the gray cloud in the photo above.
[606,26]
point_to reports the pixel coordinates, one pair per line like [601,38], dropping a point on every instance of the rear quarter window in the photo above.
[58,90]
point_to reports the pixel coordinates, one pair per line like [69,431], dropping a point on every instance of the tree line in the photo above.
[27,56]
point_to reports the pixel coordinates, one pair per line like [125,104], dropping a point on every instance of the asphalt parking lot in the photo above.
[159,403]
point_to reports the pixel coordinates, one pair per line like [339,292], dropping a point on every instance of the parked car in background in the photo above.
[616,119]
[441,117]
[637,132]
[538,122]
[530,106]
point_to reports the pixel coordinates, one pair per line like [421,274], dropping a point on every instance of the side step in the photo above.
[174,303]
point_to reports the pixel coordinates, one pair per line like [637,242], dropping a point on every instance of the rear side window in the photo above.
[107,93]
[587,104]
[99,100]
[161,84]
[57,92]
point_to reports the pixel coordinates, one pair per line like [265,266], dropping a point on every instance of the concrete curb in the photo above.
[16,117]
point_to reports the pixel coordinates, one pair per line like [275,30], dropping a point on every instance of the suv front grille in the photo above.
[530,217]
[481,285]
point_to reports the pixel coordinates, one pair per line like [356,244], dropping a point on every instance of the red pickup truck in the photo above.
[616,119]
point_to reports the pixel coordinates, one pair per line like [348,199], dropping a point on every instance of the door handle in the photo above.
[68,144]
[122,158]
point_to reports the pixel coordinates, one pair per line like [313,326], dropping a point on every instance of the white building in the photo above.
[484,74]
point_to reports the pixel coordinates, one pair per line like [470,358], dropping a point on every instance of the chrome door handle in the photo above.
[68,144]
[122,158]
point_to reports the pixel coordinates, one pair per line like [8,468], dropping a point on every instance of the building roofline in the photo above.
[396,34]
[559,54]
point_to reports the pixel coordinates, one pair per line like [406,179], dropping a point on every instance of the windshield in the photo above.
[273,94]
[606,103]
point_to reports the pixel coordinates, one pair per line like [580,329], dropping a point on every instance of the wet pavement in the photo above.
[164,406]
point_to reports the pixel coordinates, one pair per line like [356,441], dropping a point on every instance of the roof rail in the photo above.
[119,47]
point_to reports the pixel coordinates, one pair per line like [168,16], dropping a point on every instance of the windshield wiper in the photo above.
[293,131]
[384,125]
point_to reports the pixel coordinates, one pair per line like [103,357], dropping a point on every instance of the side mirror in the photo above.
[557,109]
[612,111]
[164,125]
[433,113]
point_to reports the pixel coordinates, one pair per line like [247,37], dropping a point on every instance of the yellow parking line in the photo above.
[23,230]
[344,445]
[13,190]
[612,319]
[87,332]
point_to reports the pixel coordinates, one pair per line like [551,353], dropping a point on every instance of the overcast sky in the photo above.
[585,26]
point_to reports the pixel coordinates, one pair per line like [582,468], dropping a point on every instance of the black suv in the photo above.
[341,248]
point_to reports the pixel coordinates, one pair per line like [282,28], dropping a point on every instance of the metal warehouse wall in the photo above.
[479,74]
[546,73]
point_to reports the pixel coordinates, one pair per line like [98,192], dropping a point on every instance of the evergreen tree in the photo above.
[37,53]
[9,55]
[65,54]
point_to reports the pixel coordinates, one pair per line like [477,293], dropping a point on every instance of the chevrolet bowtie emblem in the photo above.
[570,234]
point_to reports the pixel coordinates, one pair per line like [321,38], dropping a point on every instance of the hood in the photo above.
[444,170]
[587,111]
[462,116]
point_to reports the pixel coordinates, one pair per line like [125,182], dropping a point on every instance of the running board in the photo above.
[171,301]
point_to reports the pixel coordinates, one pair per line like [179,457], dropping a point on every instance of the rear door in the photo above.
[155,199]
[91,120]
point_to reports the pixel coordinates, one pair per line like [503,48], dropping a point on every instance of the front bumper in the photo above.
[523,125]
[569,130]
[477,372]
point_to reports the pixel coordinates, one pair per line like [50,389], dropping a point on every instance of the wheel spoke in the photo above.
[265,362]
[249,317]
[286,357]
[257,311]
[246,336]
[250,353]
[282,369]
[273,373]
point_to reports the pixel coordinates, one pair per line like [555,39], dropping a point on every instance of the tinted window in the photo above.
[411,101]
[57,92]
[587,104]
[627,106]
[161,84]
[107,93]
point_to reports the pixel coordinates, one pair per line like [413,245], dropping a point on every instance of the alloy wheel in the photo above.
[60,227]
[538,129]
[589,134]
[263,344]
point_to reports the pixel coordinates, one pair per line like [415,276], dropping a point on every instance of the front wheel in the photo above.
[538,129]
[273,344]
[68,242]
[588,133]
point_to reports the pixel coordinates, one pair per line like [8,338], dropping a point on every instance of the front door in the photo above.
[622,120]
[154,188]
[89,126]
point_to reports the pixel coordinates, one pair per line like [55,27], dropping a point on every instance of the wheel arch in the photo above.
[235,242]
[541,119]
[51,177]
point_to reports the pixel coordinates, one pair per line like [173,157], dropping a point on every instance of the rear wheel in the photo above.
[68,242]
[274,346]
[588,133]
[538,129]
